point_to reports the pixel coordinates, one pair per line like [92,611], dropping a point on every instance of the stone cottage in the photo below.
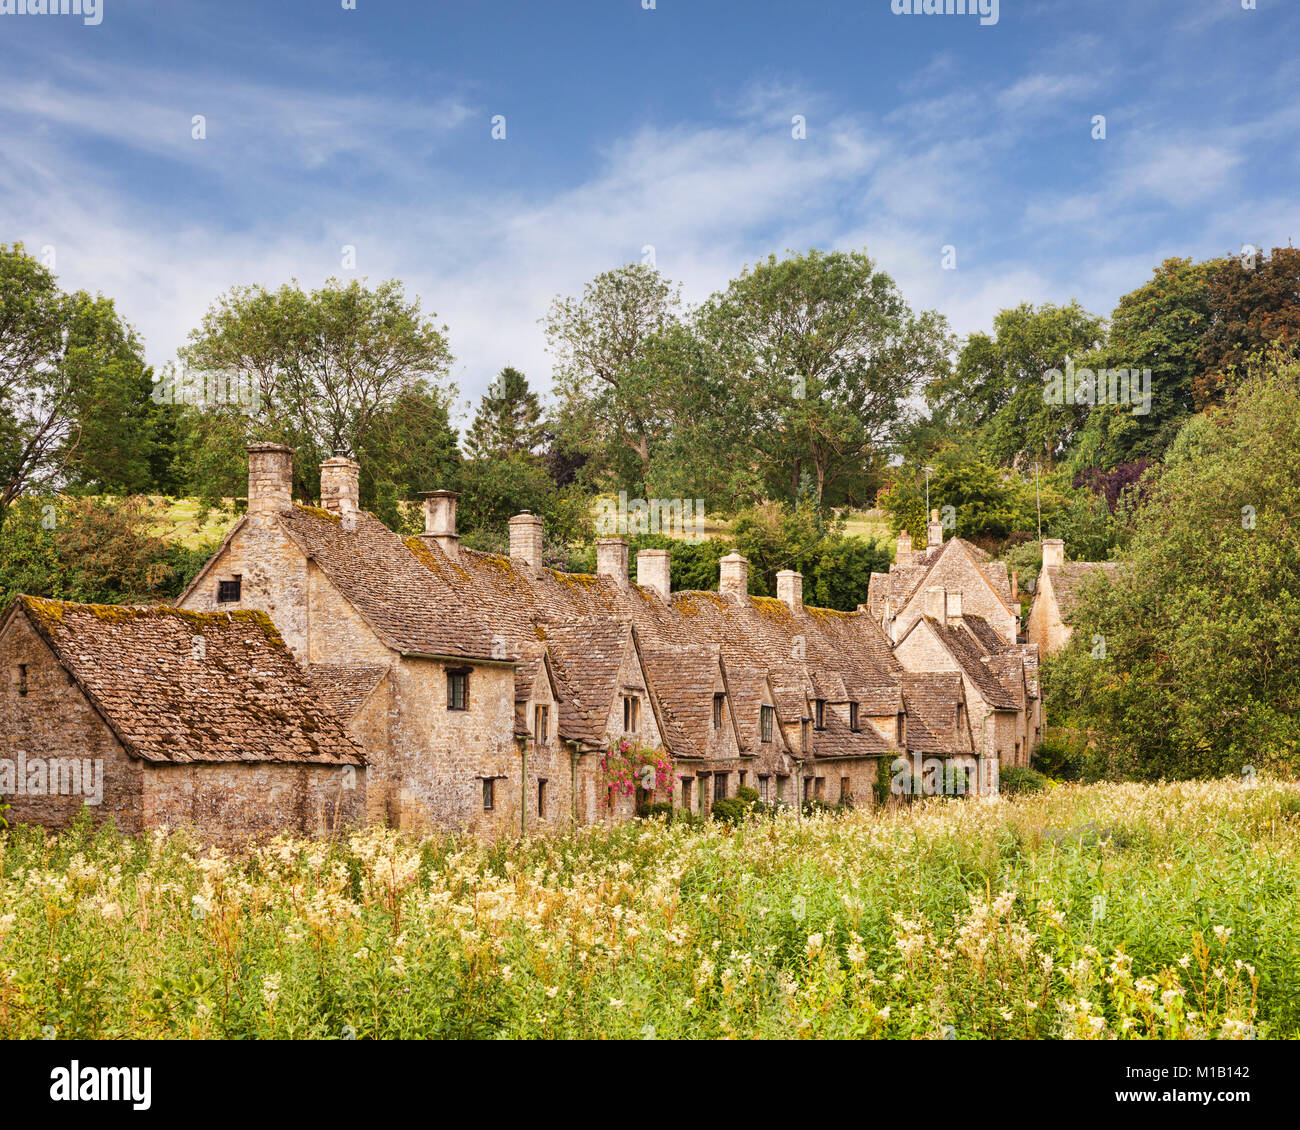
[160,717]
[492,694]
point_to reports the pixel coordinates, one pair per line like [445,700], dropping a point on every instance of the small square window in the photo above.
[228,591]
[457,690]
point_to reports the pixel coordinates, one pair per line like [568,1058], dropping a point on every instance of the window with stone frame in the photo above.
[228,591]
[819,713]
[541,725]
[631,714]
[767,722]
[458,689]
[763,782]
[719,786]
[718,700]
[489,793]
[854,725]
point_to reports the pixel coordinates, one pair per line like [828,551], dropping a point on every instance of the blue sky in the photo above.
[628,127]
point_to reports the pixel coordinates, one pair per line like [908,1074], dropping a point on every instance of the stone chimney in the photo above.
[654,571]
[733,576]
[611,560]
[934,531]
[440,521]
[904,554]
[789,589]
[526,539]
[1053,553]
[936,604]
[954,607]
[270,478]
[339,490]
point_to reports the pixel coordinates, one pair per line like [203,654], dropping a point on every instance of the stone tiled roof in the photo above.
[684,678]
[903,582]
[932,699]
[586,657]
[1070,579]
[384,580]
[181,687]
[837,739]
[966,650]
[343,687]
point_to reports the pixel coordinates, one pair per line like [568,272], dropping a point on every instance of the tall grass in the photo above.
[1092,911]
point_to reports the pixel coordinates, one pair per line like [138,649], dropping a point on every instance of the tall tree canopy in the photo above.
[819,352]
[328,370]
[75,407]
[508,420]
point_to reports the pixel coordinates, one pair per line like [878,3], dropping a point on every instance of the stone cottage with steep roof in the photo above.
[159,717]
[485,691]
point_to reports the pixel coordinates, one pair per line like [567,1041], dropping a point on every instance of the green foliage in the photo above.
[1016,780]
[1189,664]
[997,387]
[96,550]
[343,369]
[508,420]
[75,406]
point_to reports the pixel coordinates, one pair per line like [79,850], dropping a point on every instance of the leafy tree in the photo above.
[997,388]
[1253,305]
[610,380]
[1198,671]
[74,389]
[328,368]
[508,420]
[842,572]
[818,353]
[776,536]
[1160,327]
[86,549]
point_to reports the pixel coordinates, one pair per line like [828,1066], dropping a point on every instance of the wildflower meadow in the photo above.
[1096,912]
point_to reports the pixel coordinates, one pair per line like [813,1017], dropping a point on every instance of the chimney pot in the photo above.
[789,589]
[654,571]
[904,553]
[934,531]
[526,538]
[1053,553]
[340,492]
[611,560]
[270,478]
[733,575]
[440,521]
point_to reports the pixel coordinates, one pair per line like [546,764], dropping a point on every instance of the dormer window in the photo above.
[803,734]
[854,725]
[961,717]
[766,722]
[631,714]
[20,679]
[819,713]
[541,724]
[902,729]
[228,591]
[718,700]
